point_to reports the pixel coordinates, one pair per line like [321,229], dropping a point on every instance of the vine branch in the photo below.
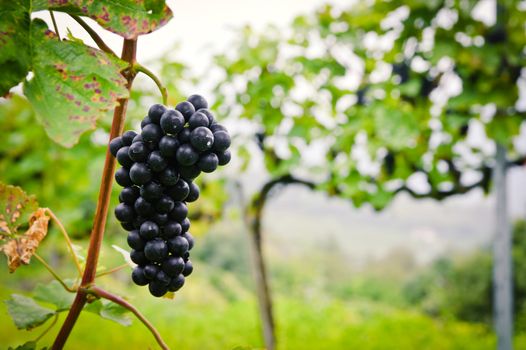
[129,50]
[139,68]
[115,269]
[93,34]
[54,24]
[118,300]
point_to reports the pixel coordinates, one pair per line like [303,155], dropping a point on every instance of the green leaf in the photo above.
[16,208]
[14,43]
[30,345]
[110,311]
[128,18]
[73,85]
[55,294]
[26,313]
[116,313]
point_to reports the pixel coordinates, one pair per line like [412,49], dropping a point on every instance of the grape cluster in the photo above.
[159,166]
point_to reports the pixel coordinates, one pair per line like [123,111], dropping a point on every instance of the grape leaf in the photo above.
[73,85]
[19,250]
[26,313]
[110,311]
[55,294]
[14,43]
[128,18]
[30,345]
[16,208]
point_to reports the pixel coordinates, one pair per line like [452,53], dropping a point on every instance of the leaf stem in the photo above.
[68,240]
[115,269]
[164,92]
[118,300]
[54,24]
[93,34]
[54,273]
[55,319]
[129,50]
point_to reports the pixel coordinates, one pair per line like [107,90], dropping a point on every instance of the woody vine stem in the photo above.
[87,287]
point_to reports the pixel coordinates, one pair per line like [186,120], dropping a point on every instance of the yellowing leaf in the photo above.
[20,250]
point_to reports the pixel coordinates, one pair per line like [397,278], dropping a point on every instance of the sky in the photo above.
[204,27]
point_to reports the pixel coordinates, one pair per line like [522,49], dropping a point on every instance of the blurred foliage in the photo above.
[360,99]
[462,288]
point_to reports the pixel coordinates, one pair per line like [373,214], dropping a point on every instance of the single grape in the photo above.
[172,121]
[138,276]
[193,195]
[188,268]
[185,224]
[160,219]
[208,114]
[138,257]
[202,138]
[198,101]
[173,266]
[123,158]
[176,283]
[169,176]
[171,229]
[127,137]
[152,133]
[128,226]
[217,127]
[208,162]
[129,195]
[189,172]
[156,250]
[122,176]
[124,212]
[157,289]
[163,278]
[178,245]
[140,174]
[165,204]
[188,236]
[149,230]
[198,119]
[150,271]
[179,191]
[147,120]
[184,135]
[115,145]
[186,109]
[155,112]
[168,146]
[143,207]
[138,152]
[156,162]
[224,157]
[135,241]
[221,141]
[151,191]
[179,212]
[186,155]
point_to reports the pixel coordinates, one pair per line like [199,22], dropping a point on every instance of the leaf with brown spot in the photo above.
[73,85]
[16,208]
[19,250]
[128,18]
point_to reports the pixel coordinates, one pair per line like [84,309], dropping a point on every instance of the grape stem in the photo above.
[93,34]
[129,50]
[115,269]
[54,273]
[66,237]
[101,293]
[54,24]
[164,92]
